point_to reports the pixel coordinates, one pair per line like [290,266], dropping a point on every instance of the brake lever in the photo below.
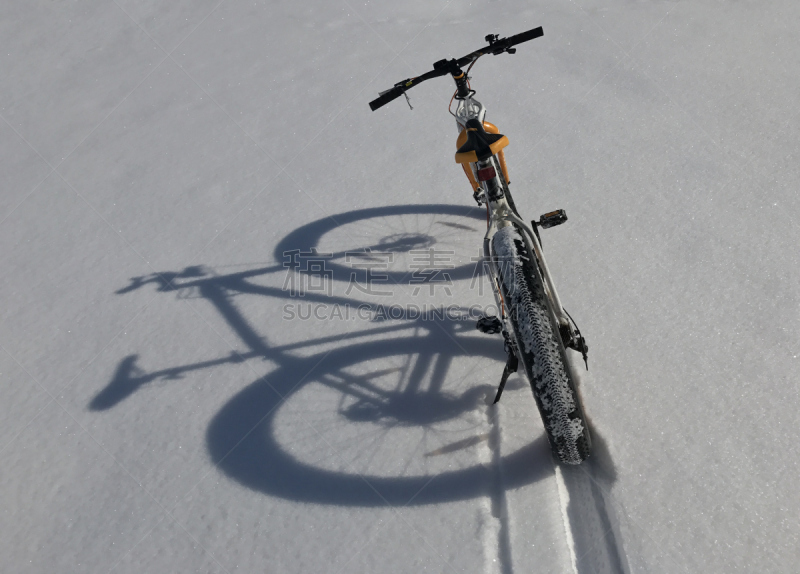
[403,85]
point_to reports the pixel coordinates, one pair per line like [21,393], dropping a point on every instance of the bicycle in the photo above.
[536,328]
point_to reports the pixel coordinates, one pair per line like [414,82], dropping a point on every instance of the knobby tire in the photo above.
[539,347]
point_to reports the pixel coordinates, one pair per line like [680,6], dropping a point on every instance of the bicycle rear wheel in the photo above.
[539,347]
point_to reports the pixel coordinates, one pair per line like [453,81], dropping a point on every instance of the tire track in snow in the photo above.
[583,515]
[493,519]
[498,497]
[590,521]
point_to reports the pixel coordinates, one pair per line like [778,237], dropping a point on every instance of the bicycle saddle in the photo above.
[480,144]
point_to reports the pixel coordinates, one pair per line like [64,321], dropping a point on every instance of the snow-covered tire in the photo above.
[539,347]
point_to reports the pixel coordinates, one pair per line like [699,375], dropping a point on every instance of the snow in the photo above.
[160,415]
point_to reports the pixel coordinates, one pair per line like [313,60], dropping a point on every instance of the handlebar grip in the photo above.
[525,36]
[392,94]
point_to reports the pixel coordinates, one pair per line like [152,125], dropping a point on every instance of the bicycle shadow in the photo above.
[259,462]
[241,438]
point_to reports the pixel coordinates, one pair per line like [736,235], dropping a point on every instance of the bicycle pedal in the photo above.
[479,197]
[552,219]
[489,325]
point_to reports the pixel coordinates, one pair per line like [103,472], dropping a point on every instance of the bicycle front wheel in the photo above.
[539,347]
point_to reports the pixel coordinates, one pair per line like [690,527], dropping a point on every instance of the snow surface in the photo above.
[159,413]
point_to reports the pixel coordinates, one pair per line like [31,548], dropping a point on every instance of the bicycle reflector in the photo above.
[486,173]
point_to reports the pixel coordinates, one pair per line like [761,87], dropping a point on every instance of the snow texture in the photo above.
[161,162]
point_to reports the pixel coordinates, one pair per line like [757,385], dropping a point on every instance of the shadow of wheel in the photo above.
[242,438]
[396,228]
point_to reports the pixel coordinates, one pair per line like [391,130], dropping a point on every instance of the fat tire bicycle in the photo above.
[535,327]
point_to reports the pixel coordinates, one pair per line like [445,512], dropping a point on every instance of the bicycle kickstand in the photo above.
[511,367]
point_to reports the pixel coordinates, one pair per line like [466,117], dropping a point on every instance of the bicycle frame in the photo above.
[537,330]
[500,211]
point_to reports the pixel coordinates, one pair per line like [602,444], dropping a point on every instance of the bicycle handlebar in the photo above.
[443,67]
[525,36]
